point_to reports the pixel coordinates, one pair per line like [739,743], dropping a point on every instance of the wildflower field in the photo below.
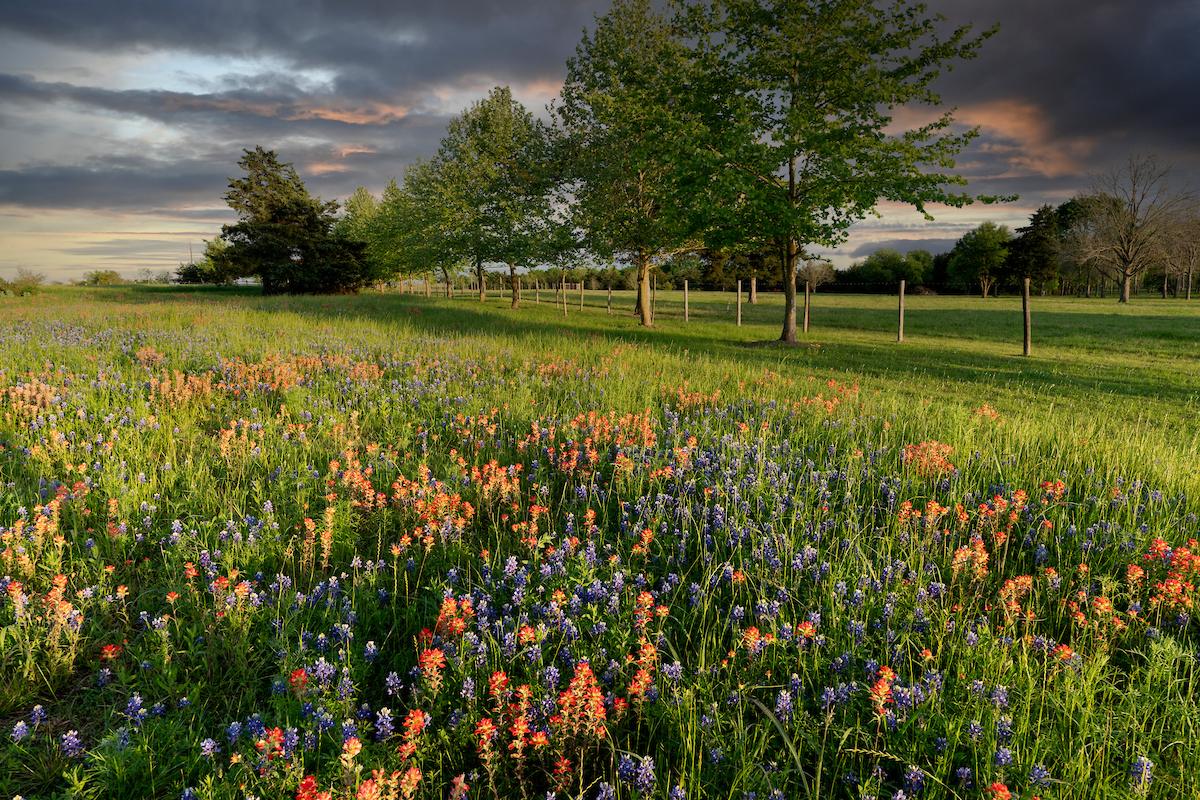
[371,547]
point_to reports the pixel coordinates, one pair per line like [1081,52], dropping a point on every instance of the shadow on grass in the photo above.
[977,350]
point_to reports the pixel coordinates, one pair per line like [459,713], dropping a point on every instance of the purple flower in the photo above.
[1004,756]
[914,779]
[20,731]
[72,745]
[209,748]
[644,780]
[1141,772]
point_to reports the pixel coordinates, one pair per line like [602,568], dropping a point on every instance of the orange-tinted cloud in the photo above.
[1013,131]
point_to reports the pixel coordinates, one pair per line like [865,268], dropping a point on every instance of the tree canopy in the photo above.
[286,237]
[790,104]
[982,256]
[621,144]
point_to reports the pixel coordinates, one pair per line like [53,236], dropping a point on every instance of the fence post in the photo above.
[739,305]
[581,294]
[685,300]
[807,293]
[1025,311]
[537,291]
[900,330]
[610,299]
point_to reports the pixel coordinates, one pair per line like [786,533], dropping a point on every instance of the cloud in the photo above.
[934,246]
[142,108]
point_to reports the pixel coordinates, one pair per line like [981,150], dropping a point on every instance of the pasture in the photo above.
[394,546]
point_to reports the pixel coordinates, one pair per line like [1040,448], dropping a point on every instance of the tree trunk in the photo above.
[428,288]
[1126,284]
[482,285]
[563,286]
[1189,283]
[1164,284]
[644,309]
[753,290]
[514,289]
[788,268]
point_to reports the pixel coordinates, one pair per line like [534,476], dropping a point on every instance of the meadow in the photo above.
[390,546]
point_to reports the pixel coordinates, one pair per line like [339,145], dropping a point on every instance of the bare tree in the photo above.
[815,271]
[1183,249]
[1129,217]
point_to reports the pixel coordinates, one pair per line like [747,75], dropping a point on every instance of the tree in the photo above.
[491,161]
[210,267]
[1128,218]
[285,236]
[620,140]
[789,103]
[887,266]
[981,255]
[1183,250]
[815,271]
[1035,254]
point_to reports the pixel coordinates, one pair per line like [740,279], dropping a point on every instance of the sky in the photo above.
[121,122]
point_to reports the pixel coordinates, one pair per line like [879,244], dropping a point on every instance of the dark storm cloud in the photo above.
[1105,77]
[112,185]
[373,47]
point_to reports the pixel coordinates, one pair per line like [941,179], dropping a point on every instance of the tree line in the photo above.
[1137,222]
[723,139]
[733,126]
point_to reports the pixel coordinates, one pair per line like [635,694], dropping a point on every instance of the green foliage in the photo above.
[285,237]
[1035,253]
[493,184]
[887,266]
[982,255]
[209,269]
[26,283]
[621,147]
[790,102]
[103,277]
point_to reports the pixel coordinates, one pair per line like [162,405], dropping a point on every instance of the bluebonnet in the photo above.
[1141,773]
[72,745]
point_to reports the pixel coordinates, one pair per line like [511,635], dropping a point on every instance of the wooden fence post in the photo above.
[1025,311]
[685,300]
[900,330]
[807,293]
[739,304]
[610,299]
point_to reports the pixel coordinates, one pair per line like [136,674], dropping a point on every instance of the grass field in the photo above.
[396,546]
